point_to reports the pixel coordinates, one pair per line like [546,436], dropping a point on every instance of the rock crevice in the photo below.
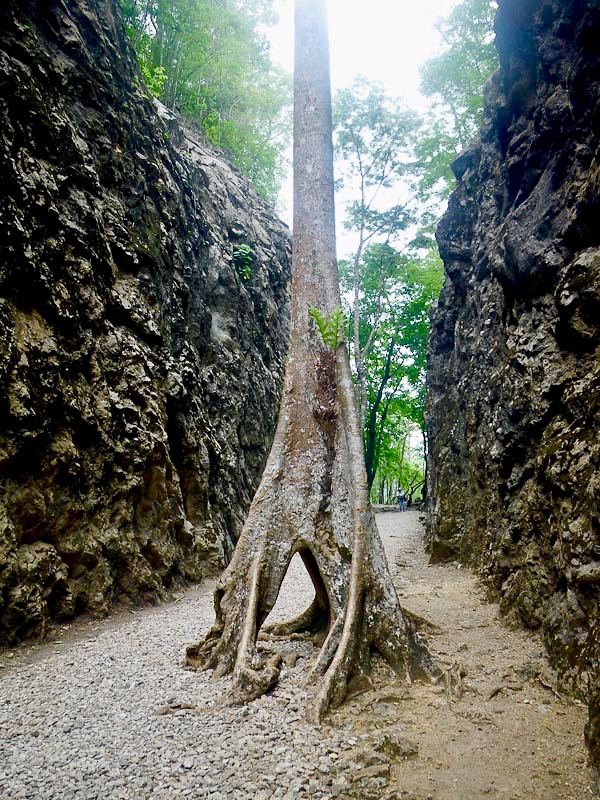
[514,382]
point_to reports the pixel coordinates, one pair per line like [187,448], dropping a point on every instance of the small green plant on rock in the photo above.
[243,259]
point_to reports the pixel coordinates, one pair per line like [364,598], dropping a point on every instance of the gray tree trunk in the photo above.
[313,498]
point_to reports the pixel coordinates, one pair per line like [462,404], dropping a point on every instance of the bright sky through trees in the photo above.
[384,40]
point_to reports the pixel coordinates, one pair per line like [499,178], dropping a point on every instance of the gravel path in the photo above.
[80,721]
[80,716]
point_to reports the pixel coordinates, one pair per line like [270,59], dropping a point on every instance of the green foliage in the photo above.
[243,260]
[209,60]
[457,76]
[155,79]
[395,273]
[391,288]
[373,153]
[455,80]
[401,462]
[332,327]
[397,289]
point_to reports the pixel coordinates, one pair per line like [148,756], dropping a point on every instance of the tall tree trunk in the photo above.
[313,498]
[361,378]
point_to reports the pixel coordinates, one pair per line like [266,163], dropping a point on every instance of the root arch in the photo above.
[354,610]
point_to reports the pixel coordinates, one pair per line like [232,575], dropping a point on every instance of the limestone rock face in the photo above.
[514,382]
[143,328]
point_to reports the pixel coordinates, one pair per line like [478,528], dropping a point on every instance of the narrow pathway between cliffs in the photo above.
[105,709]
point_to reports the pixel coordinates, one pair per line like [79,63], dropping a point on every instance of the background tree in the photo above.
[396,170]
[397,290]
[373,154]
[313,498]
[455,80]
[209,60]
[401,463]
[457,76]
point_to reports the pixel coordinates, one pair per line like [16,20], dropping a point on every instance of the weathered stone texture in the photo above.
[514,383]
[140,362]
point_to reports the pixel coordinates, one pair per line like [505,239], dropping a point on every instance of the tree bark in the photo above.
[313,498]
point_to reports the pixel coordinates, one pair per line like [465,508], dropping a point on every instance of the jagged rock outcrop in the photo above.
[143,328]
[514,382]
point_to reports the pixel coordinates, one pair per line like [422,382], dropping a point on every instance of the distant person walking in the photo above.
[401,499]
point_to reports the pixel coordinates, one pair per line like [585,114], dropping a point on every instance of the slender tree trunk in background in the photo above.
[361,378]
[426,456]
[402,450]
[313,498]
[371,433]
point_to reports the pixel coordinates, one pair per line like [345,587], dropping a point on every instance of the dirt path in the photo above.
[78,715]
[496,729]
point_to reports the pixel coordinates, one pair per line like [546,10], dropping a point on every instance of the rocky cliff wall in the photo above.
[514,381]
[143,327]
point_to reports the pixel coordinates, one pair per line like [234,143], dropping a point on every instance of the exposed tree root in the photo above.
[364,616]
[252,682]
[355,610]
[420,623]
[312,623]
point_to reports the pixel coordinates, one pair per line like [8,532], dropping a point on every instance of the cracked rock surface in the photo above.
[514,364]
[141,355]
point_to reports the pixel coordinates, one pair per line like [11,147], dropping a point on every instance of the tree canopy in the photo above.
[373,153]
[454,80]
[209,60]
[396,292]
[456,77]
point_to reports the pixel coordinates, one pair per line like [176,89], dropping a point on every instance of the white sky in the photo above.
[384,40]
